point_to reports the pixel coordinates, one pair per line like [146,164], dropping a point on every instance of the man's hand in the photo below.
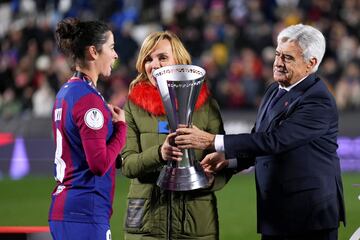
[214,162]
[210,177]
[170,152]
[193,137]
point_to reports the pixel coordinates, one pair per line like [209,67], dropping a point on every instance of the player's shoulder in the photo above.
[79,88]
[74,92]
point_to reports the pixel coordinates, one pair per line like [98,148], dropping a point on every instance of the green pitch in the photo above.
[26,202]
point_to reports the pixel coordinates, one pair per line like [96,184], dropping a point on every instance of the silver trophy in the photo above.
[179,86]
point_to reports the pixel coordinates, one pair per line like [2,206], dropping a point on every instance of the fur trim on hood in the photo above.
[147,97]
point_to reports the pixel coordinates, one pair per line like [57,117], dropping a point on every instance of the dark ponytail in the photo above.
[73,36]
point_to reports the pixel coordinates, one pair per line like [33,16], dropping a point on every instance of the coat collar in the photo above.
[264,118]
[147,97]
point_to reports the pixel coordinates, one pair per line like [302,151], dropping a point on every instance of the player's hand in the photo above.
[117,113]
[169,151]
[214,162]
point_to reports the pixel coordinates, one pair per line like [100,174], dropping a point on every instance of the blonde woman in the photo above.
[193,213]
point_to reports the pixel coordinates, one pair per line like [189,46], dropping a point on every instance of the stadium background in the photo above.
[232,39]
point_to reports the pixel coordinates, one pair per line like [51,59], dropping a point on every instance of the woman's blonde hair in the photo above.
[181,55]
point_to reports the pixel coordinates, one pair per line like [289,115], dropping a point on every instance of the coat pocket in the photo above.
[201,218]
[138,217]
[301,184]
[135,213]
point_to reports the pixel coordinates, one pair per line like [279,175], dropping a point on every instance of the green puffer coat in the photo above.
[193,213]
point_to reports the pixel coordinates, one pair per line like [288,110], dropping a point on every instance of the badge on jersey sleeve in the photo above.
[94,119]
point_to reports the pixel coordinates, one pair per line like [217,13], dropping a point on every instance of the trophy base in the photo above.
[182,178]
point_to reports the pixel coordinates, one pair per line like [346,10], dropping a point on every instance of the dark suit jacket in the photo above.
[297,169]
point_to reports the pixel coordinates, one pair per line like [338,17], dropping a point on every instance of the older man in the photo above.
[292,145]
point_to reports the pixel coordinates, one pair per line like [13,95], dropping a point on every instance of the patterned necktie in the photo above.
[280,92]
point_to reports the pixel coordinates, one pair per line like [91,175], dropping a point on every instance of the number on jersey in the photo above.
[59,162]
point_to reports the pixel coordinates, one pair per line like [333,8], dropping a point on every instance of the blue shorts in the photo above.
[75,230]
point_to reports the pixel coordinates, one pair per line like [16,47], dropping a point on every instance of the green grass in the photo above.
[26,202]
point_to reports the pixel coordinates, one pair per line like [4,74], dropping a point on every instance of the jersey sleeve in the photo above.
[92,119]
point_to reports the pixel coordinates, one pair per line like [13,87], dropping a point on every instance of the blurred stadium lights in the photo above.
[19,163]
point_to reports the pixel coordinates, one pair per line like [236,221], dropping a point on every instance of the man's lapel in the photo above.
[265,103]
[267,116]
[278,108]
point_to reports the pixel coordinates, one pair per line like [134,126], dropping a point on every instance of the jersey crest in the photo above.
[94,119]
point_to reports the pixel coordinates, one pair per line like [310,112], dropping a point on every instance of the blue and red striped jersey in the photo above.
[87,144]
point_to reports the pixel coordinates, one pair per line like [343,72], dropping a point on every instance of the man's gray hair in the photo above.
[310,40]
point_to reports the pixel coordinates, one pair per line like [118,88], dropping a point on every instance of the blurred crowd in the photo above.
[233,40]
